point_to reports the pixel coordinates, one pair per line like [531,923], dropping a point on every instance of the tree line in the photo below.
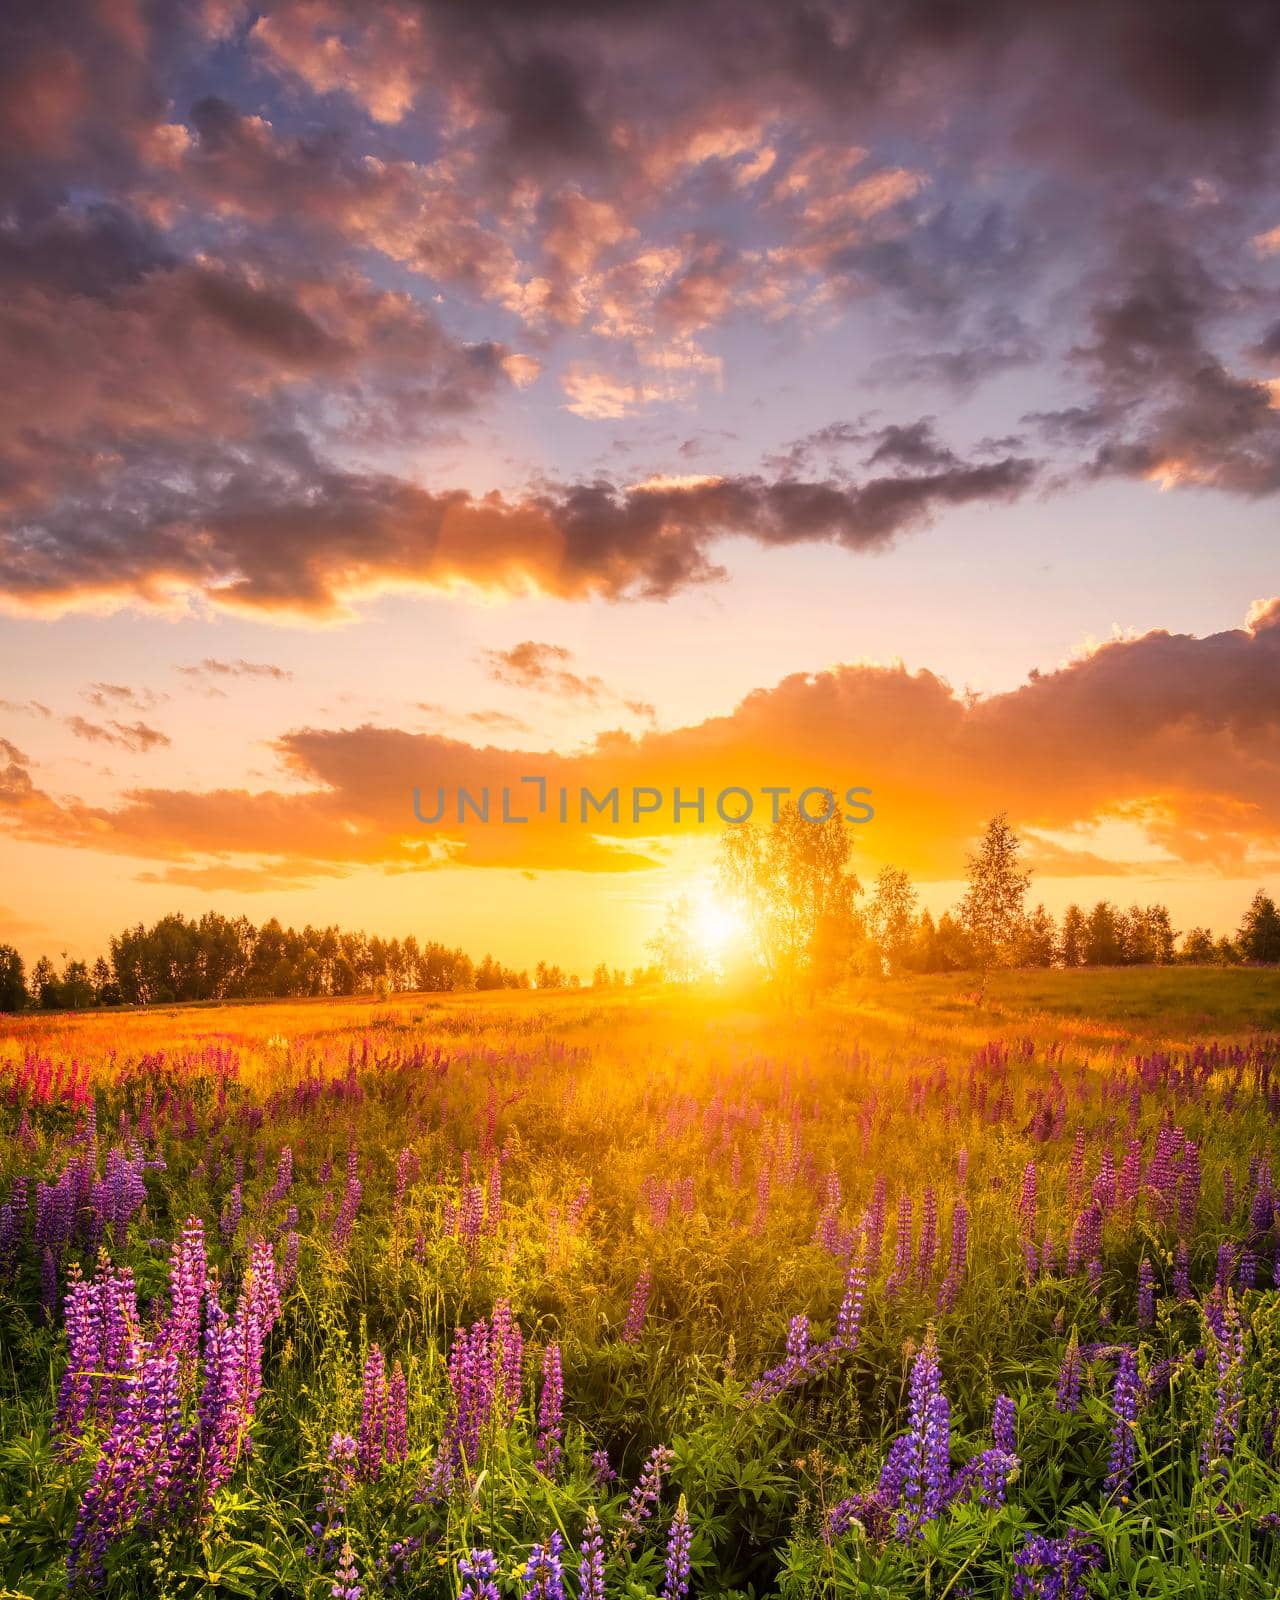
[809,919]
[228,958]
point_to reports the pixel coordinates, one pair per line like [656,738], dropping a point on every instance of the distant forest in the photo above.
[804,913]
[222,958]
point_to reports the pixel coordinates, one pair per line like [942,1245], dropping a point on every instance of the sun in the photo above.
[717,928]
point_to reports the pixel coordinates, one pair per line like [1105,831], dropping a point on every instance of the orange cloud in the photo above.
[1175,733]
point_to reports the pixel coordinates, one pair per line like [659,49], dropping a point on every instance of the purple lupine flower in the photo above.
[1027,1200]
[544,1572]
[396,1443]
[373,1415]
[902,1248]
[1130,1182]
[644,1497]
[675,1580]
[1004,1425]
[345,1586]
[591,1572]
[638,1307]
[478,1571]
[1247,1275]
[959,1251]
[340,1233]
[1055,1569]
[928,1238]
[1189,1188]
[550,1413]
[1181,1273]
[1124,1405]
[849,1318]
[1067,1398]
[1146,1294]
[602,1474]
[1222,1322]
[927,1455]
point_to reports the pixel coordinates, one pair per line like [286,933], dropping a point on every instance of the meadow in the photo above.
[612,1293]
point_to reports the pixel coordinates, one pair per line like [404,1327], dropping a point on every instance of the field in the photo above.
[615,1294]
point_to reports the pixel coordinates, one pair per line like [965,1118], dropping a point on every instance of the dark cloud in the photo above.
[231,322]
[286,534]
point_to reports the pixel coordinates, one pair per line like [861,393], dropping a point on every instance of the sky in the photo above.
[400,396]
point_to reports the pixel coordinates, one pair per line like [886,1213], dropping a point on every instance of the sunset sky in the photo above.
[403,393]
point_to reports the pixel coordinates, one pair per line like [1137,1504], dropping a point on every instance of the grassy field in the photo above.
[647,1294]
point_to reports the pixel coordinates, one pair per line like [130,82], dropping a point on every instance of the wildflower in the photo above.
[550,1413]
[1146,1294]
[591,1571]
[1055,1569]
[478,1571]
[638,1307]
[675,1582]
[1067,1398]
[644,1497]
[1124,1405]
[1004,1425]
[544,1572]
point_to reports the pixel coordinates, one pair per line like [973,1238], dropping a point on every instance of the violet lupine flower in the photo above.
[1124,1405]
[1189,1188]
[1067,1398]
[1027,1200]
[188,1279]
[478,1571]
[544,1573]
[928,1238]
[104,1350]
[638,1307]
[644,1497]
[675,1580]
[396,1442]
[484,1383]
[232,1211]
[1182,1273]
[1055,1569]
[602,1474]
[902,1249]
[1247,1275]
[373,1416]
[289,1266]
[1146,1294]
[345,1585]
[927,1456]
[849,1317]
[1075,1172]
[1130,1182]
[340,1233]
[1226,1263]
[591,1571]
[1222,1321]
[1004,1425]
[959,1251]
[284,1177]
[550,1413]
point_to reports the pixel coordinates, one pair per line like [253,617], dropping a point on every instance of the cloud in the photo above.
[210,667]
[530,665]
[136,736]
[282,534]
[1175,734]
